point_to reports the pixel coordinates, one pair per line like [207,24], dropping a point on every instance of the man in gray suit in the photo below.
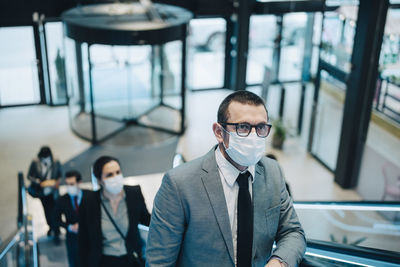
[228,207]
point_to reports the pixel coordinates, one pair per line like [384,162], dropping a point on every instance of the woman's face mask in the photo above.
[114,184]
[245,151]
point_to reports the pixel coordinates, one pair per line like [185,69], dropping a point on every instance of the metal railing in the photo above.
[20,248]
[387,98]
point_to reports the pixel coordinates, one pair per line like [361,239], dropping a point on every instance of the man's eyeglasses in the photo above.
[243,129]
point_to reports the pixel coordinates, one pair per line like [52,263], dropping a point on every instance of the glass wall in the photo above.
[206,53]
[78,89]
[352,225]
[56,66]
[19,82]
[337,39]
[262,35]
[294,28]
[329,115]
[338,36]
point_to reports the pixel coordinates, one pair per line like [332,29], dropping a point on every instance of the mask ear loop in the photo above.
[229,134]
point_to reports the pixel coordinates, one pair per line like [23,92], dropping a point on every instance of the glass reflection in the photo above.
[19,82]
[206,53]
[338,36]
[56,62]
[358,224]
[329,120]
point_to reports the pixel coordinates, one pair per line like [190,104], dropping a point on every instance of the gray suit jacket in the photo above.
[190,222]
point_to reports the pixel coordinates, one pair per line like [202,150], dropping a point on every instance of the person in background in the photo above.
[227,208]
[67,207]
[44,174]
[108,219]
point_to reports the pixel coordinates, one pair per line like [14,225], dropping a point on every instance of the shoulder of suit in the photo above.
[132,188]
[89,194]
[186,168]
[268,162]
[64,198]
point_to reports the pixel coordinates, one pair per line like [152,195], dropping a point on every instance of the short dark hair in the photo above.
[73,173]
[99,164]
[243,97]
[271,156]
[45,152]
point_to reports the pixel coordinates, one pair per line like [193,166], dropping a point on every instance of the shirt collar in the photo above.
[229,172]
[79,195]
[106,196]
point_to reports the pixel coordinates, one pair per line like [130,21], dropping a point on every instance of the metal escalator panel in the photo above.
[351,233]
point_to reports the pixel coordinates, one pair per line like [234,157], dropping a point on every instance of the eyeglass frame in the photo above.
[251,128]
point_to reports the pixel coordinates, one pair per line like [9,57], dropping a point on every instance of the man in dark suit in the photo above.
[68,205]
[227,208]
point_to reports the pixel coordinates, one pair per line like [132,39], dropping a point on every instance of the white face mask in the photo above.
[245,151]
[46,161]
[115,184]
[72,190]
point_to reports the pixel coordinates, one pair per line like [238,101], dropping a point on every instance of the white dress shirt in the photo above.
[228,174]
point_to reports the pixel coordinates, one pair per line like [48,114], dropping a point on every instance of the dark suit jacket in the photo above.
[90,237]
[36,177]
[64,206]
[35,171]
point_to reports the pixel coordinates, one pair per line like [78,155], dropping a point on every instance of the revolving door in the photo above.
[125,66]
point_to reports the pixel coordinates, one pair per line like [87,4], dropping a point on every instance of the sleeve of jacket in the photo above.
[290,237]
[167,226]
[144,216]
[33,173]
[58,213]
[83,238]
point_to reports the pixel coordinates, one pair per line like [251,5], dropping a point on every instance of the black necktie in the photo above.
[244,222]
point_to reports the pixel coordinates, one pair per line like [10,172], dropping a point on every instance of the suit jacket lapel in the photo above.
[215,192]
[261,201]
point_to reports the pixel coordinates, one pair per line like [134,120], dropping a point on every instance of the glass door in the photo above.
[330,86]
[19,82]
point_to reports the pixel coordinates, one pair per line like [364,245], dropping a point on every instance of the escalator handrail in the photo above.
[348,205]
[358,251]
[9,243]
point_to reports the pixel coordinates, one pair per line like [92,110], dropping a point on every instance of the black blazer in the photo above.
[64,206]
[35,171]
[90,236]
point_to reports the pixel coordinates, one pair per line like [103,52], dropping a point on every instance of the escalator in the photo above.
[338,234]
[20,248]
[351,233]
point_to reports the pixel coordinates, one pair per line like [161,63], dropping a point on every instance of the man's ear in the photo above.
[218,132]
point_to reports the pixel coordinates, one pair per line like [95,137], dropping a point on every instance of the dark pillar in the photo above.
[237,45]
[245,8]
[361,86]
[39,63]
